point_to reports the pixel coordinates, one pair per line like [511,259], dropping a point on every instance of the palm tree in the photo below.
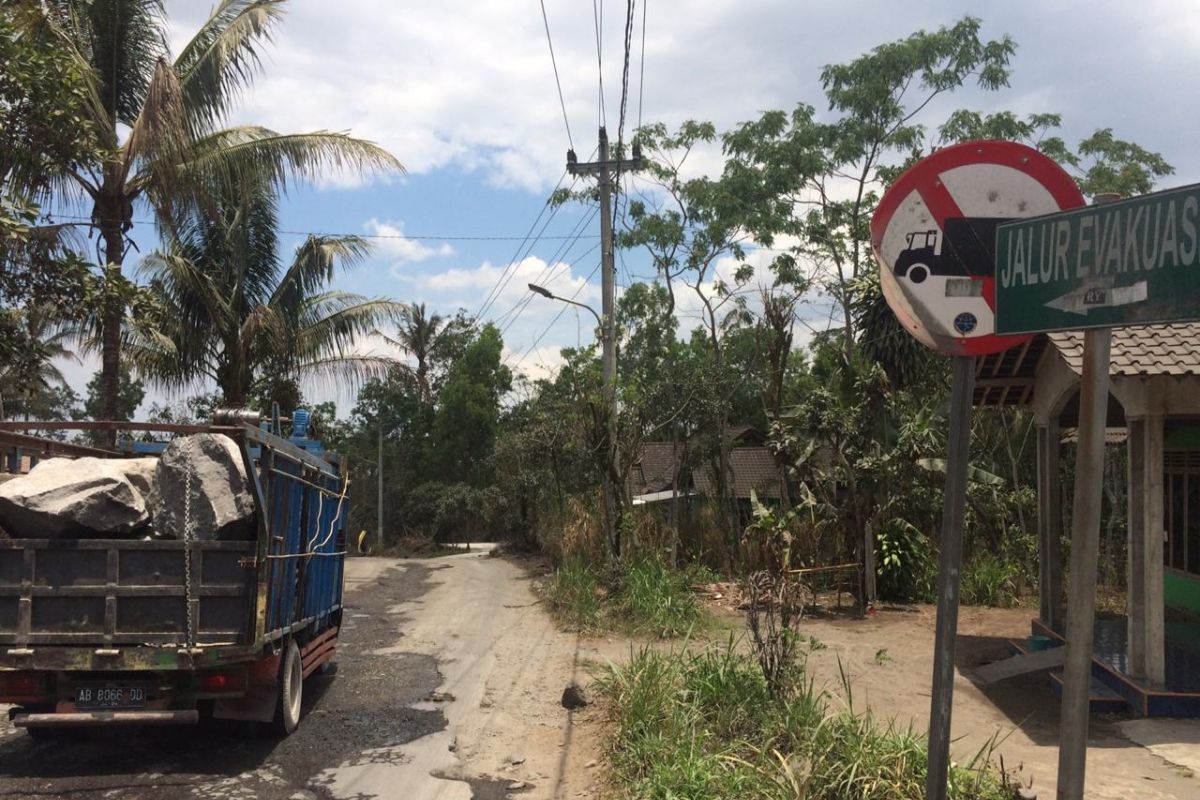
[175,151]
[417,335]
[223,308]
[31,373]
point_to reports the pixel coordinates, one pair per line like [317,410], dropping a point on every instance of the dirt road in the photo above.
[448,686]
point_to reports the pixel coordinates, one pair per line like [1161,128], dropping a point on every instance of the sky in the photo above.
[463,93]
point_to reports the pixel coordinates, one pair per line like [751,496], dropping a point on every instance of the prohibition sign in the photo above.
[933,234]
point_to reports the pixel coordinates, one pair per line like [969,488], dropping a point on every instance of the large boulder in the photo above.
[72,497]
[221,504]
[139,472]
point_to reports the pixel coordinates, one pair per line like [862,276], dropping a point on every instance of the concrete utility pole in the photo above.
[379,470]
[603,169]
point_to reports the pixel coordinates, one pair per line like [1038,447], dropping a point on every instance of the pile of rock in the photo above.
[95,497]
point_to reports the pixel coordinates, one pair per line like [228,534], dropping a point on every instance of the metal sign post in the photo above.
[962,389]
[933,235]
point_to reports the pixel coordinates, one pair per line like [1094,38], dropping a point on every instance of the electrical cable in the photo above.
[554,63]
[598,19]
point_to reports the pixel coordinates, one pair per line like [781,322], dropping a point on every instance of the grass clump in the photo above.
[641,596]
[704,725]
[572,594]
[654,599]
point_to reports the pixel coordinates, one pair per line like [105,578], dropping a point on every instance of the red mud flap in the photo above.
[77,719]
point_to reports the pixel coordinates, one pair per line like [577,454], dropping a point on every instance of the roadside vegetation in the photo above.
[706,725]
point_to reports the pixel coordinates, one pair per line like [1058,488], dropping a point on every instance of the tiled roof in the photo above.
[751,468]
[1148,350]
[656,467]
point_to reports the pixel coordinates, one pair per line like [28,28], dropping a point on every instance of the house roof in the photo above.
[1148,350]
[751,468]
[1007,378]
[657,465]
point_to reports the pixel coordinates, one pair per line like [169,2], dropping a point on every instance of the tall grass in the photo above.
[643,596]
[572,595]
[703,725]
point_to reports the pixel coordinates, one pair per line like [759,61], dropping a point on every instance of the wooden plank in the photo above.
[1033,661]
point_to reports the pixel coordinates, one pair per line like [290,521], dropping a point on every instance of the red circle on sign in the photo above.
[940,214]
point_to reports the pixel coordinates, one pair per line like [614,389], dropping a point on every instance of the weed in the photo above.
[653,598]
[989,580]
[704,725]
[572,595]
[882,656]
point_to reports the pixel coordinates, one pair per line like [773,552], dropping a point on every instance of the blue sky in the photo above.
[462,92]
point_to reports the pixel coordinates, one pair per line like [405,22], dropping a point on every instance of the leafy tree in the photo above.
[468,414]
[30,376]
[175,151]
[220,306]
[132,394]
[826,176]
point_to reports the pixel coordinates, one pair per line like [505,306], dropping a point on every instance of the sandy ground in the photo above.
[504,667]
[889,660]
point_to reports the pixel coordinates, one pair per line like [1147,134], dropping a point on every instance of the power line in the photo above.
[528,298]
[495,290]
[642,63]
[554,63]
[454,237]
[557,316]
[598,19]
[559,255]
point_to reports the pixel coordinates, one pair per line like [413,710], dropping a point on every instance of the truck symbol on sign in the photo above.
[968,250]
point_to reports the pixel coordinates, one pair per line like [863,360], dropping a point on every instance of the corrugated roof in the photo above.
[1147,350]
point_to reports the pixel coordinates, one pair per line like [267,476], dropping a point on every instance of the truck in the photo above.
[968,250]
[98,632]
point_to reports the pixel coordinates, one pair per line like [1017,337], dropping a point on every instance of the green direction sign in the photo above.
[1133,262]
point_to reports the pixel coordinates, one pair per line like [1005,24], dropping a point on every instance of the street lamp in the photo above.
[544,292]
[611,512]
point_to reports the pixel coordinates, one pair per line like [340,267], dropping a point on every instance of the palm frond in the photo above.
[159,136]
[222,58]
[312,267]
[123,41]
[250,154]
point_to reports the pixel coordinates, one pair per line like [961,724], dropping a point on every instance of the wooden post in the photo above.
[1085,552]
[962,389]
[1146,646]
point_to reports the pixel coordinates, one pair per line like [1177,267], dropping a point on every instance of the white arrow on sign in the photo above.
[1099,294]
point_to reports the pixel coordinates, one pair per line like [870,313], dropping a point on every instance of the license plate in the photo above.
[110,696]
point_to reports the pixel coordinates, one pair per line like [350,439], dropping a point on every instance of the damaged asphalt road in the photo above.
[359,714]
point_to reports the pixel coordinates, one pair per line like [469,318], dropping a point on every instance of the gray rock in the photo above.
[221,503]
[139,472]
[575,697]
[72,497]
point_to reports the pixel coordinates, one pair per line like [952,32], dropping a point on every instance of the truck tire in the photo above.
[290,691]
[917,273]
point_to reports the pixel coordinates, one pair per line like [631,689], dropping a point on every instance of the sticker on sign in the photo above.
[934,237]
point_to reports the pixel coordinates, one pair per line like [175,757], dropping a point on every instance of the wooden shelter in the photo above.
[1155,399]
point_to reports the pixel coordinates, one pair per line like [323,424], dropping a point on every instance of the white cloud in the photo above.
[393,245]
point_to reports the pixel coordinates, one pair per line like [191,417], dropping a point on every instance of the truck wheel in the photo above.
[291,691]
[917,273]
